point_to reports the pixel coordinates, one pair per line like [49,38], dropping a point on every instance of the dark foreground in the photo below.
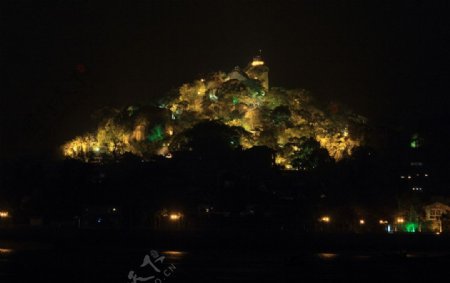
[109,256]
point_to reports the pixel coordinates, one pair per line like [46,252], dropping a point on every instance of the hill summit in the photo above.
[288,121]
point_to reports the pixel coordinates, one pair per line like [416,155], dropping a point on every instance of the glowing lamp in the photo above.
[175,216]
[257,63]
[325,219]
[400,220]
[362,222]
[345,133]
[4,214]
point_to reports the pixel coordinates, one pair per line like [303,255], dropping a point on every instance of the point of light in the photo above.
[327,255]
[362,221]
[325,219]
[4,214]
[175,216]
[257,63]
[400,220]
[389,229]
[345,133]
[5,251]
[174,253]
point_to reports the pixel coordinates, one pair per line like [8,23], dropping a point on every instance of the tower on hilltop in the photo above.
[259,71]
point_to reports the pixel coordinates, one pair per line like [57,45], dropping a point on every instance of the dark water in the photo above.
[22,261]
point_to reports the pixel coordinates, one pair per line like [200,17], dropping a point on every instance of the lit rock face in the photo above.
[139,133]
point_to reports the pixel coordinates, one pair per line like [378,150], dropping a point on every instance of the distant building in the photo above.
[436,217]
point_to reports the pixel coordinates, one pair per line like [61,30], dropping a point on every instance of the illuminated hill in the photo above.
[287,121]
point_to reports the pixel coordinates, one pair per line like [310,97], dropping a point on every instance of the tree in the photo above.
[281,115]
[310,155]
[209,138]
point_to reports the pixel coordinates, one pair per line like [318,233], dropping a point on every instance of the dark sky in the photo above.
[386,61]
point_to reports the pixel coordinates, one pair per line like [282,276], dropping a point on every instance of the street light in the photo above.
[325,219]
[175,216]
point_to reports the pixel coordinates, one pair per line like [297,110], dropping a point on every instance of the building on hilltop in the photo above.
[237,74]
[256,70]
[259,71]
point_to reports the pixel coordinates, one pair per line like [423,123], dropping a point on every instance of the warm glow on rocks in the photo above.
[278,118]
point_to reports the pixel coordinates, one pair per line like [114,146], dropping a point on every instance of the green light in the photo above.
[411,227]
[416,141]
[156,134]
[235,100]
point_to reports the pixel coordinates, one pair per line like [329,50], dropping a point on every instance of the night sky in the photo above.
[63,60]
